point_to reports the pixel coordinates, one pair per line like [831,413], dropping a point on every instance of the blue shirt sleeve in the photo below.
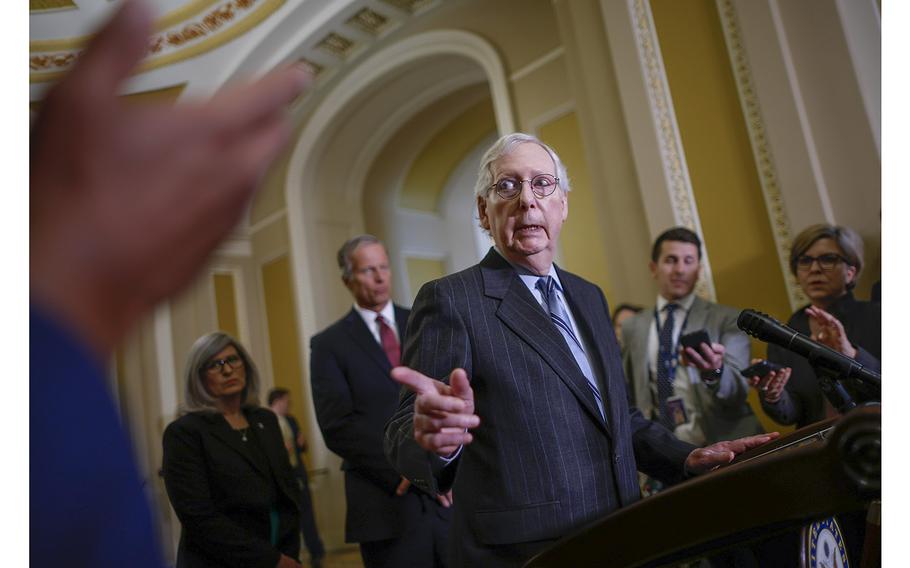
[87,504]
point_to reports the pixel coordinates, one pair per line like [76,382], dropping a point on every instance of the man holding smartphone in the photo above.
[683,356]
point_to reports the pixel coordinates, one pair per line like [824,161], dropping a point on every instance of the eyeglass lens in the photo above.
[218,364]
[541,185]
[825,261]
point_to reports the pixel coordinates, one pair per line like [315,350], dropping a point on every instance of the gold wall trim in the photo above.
[676,172]
[190,34]
[170,19]
[764,157]
[47,5]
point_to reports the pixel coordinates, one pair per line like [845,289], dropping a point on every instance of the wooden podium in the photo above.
[828,468]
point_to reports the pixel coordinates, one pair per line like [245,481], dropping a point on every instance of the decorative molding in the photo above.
[235,245]
[761,148]
[219,26]
[169,20]
[336,44]
[549,116]
[267,220]
[51,5]
[537,64]
[676,172]
[409,6]
[369,21]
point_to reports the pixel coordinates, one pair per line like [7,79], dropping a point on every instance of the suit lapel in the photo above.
[361,335]
[521,313]
[223,431]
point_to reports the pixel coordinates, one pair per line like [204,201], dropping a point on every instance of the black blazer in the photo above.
[354,396]
[542,462]
[223,494]
[802,402]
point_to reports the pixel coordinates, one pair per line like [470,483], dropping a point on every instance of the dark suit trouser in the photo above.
[424,545]
[308,521]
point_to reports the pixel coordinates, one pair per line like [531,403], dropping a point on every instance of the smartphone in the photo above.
[694,339]
[761,369]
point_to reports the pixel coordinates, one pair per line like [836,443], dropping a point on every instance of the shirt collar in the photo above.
[684,303]
[369,316]
[529,278]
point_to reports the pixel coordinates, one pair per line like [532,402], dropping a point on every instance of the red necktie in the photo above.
[389,342]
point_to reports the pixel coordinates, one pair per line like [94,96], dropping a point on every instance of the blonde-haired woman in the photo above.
[826,260]
[225,466]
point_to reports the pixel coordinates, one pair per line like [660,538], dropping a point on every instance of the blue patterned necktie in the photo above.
[560,318]
[666,367]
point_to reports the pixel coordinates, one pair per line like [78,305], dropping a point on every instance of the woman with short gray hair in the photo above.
[226,469]
[826,260]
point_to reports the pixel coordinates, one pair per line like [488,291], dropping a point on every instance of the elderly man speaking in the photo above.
[532,428]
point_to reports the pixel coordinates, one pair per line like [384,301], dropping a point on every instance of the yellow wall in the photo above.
[226,304]
[725,181]
[283,340]
[421,271]
[426,179]
[581,242]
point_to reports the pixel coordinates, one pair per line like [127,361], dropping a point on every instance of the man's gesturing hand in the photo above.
[442,412]
[705,459]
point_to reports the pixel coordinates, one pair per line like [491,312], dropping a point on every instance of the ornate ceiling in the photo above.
[197,45]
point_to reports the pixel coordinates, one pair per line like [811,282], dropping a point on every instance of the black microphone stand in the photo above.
[831,385]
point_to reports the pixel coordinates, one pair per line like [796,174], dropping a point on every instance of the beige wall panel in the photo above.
[269,197]
[614,183]
[425,180]
[423,270]
[271,239]
[226,304]
[725,182]
[537,93]
[844,141]
[192,314]
[521,30]
[334,300]
[582,241]
[282,329]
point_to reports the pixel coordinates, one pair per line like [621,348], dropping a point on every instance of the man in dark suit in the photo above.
[553,443]
[396,524]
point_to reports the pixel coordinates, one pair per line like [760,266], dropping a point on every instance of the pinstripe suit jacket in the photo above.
[543,462]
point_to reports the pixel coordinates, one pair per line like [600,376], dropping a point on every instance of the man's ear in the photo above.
[482,212]
[653,267]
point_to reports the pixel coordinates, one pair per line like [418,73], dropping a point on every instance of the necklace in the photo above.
[243,432]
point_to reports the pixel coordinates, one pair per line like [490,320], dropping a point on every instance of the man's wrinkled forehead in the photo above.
[539,160]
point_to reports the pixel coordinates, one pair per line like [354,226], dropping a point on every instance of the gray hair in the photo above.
[846,238]
[348,248]
[504,146]
[196,397]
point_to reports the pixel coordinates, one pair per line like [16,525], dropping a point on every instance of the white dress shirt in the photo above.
[387,313]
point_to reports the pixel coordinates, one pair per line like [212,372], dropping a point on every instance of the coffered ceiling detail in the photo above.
[202,43]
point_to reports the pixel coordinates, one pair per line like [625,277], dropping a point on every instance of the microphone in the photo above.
[769,330]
